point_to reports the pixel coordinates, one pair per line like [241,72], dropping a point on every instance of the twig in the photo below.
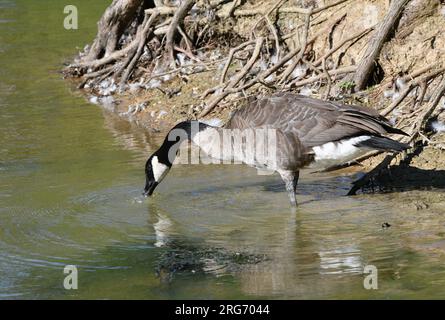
[266,14]
[249,64]
[430,108]
[186,38]
[233,82]
[98,73]
[106,60]
[230,58]
[328,77]
[396,102]
[142,36]
[437,69]
[158,75]
[252,11]
[414,83]
[367,64]
[189,54]
[235,4]
[355,36]
[275,35]
[176,21]
[291,9]
[294,64]
[316,78]
[421,96]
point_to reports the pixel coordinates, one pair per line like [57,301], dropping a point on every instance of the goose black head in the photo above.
[156,168]
[160,162]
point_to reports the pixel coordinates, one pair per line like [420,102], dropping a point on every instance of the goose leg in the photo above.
[290,179]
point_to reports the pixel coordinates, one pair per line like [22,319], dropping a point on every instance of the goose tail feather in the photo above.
[383,144]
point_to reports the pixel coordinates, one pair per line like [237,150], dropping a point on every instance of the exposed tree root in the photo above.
[164,47]
[141,38]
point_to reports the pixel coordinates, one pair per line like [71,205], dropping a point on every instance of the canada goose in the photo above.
[309,133]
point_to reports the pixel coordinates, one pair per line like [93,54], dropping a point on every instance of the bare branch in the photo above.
[367,64]
[177,20]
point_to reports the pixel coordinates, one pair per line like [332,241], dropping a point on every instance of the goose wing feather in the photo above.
[313,121]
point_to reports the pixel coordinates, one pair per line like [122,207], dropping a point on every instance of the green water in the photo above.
[70,182]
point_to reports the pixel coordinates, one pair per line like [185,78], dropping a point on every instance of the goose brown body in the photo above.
[304,123]
[307,130]
[313,121]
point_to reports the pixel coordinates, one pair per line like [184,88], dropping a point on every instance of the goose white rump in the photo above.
[339,152]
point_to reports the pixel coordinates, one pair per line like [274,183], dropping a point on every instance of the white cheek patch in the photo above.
[159,169]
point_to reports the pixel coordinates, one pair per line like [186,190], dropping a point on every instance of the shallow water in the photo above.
[70,182]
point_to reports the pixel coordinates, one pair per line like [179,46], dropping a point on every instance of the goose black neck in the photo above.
[185,130]
[190,127]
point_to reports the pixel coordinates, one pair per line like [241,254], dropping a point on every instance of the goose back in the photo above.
[313,122]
